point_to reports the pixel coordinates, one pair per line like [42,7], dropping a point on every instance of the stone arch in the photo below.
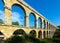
[33,33]
[19,32]
[22,13]
[40,34]
[20,6]
[39,22]
[32,20]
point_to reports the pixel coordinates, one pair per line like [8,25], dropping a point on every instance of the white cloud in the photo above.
[15,17]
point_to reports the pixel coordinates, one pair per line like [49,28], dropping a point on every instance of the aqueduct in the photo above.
[46,29]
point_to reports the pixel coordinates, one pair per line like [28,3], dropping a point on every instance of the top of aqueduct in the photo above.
[25,4]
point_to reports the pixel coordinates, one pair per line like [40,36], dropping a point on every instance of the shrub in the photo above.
[16,39]
[56,40]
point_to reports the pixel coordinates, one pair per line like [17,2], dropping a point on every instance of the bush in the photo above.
[56,40]
[31,39]
[16,39]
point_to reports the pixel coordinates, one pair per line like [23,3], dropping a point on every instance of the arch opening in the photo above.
[18,14]
[44,25]
[44,34]
[40,34]
[1,12]
[32,20]
[39,23]
[19,32]
[47,34]
[33,33]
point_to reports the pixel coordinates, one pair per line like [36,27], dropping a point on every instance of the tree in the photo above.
[58,26]
[15,23]
[16,39]
[1,21]
[57,33]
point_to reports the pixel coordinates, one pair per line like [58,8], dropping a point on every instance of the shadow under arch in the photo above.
[40,34]
[44,33]
[19,32]
[44,25]
[33,33]
[47,34]
[32,20]
[1,36]
[23,13]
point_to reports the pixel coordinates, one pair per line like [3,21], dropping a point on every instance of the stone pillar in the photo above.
[27,18]
[27,21]
[49,26]
[8,14]
[42,35]
[52,27]
[37,34]
[49,34]
[46,34]
[36,23]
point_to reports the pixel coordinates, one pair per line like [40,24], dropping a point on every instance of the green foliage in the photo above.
[16,39]
[1,21]
[15,23]
[47,40]
[56,40]
[31,39]
[24,39]
[58,26]
[57,34]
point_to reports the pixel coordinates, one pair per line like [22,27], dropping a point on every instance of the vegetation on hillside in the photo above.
[15,23]
[57,33]
[58,26]
[1,21]
[24,39]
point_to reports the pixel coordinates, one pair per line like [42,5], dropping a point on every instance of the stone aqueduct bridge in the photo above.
[8,29]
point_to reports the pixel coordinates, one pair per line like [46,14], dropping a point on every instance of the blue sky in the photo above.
[48,8]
